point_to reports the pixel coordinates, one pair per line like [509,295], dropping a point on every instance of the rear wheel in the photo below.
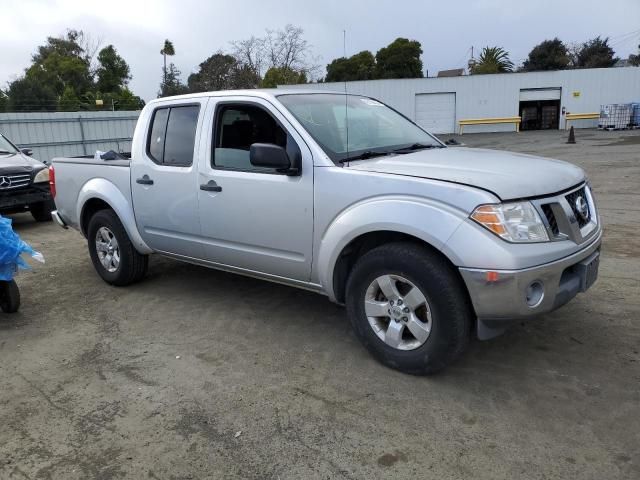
[41,211]
[112,253]
[409,308]
[9,296]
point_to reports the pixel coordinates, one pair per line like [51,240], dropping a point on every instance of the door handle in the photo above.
[211,186]
[145,180]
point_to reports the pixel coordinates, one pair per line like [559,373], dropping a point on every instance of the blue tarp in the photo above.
[11,247]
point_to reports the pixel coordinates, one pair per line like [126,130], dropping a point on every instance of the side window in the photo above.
[155,143]
[172,136]
[239,126]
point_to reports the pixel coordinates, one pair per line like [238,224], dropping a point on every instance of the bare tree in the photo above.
[250,52]
[284,50]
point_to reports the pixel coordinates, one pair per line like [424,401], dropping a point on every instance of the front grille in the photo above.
[551,218]
[579,206]
[11,182]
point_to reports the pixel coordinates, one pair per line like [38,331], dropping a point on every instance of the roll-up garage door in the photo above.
[436,112]
[534,94]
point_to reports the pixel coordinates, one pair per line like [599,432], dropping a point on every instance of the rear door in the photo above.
[258,219]
[164,178]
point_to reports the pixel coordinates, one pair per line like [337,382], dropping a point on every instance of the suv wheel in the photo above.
[9,296]
[41,211]
[409,308]
[112,253]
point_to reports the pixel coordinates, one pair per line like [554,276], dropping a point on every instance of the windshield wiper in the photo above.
[415,146]
[5,152]
[364,156]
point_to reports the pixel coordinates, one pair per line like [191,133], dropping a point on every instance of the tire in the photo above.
[9,296]
[126,265]
[443,314]
[41,211]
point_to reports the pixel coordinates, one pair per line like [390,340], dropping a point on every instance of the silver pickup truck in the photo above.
[340,194]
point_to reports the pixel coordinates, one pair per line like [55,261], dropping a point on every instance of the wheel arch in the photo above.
[373,223]
[366,242]
[99,194]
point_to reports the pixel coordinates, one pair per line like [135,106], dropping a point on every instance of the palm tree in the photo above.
[491,60]
[167,50]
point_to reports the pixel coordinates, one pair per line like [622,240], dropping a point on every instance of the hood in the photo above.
[507,175]
[19,163]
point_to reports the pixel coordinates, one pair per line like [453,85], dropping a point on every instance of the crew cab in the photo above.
[24,182]
[340,194]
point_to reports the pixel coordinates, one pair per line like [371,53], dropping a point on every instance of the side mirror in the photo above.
[270,156]
[27,151]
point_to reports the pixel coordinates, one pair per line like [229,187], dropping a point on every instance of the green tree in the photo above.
[112,74]
[69,101]
[595,53]
[167,50]
[62,62]
[171,84]
[360,66]
[491,60]
[4,101]
[399,59]
[283,76]
[635,59]
[222,72]
[548,55]
[27,94]
[128,101]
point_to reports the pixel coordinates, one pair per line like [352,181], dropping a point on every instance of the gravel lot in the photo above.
[201,374]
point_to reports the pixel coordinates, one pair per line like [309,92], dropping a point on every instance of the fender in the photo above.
[429,220]
[111,195]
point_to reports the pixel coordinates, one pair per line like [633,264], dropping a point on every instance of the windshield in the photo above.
[372,128]
[6,147]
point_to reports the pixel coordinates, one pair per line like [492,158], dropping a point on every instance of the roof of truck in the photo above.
[255,92]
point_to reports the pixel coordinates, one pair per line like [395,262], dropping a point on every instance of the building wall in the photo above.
[480,96]
[58,134]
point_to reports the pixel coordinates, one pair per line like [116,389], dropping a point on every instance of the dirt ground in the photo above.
[195,373]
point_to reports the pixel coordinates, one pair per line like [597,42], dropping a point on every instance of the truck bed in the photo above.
[78,177]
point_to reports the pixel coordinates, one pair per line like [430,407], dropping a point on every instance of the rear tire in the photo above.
[423,321]
[41,211]
[9,296]
[113,255]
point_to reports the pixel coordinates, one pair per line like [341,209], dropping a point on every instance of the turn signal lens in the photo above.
[515,222]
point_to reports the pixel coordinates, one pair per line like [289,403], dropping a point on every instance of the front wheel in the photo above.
[112,253]
[9,296]
[41,211]
[409,307]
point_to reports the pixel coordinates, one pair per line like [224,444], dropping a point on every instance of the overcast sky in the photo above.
[446,29]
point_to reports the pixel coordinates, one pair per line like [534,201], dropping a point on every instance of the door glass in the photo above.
[240,126]
[155,142]
[181,135]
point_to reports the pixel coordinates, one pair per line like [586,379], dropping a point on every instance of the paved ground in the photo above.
[154,381]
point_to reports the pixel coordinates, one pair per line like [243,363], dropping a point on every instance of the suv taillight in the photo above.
[52,181]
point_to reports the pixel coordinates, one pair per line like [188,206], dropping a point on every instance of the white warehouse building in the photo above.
[542,99]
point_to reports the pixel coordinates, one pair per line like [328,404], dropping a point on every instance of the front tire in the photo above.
[9,296]
[409,308]
[41,211]
[112,253]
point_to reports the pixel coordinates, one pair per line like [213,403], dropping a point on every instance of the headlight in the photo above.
[42,176]
[514,222]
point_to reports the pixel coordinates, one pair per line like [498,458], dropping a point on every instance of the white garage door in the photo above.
[436,112]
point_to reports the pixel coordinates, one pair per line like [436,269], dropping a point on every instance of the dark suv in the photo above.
[24,183]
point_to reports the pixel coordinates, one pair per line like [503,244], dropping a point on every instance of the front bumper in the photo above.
[499,296]
[18,199]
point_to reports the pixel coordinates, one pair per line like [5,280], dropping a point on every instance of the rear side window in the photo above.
[172,135]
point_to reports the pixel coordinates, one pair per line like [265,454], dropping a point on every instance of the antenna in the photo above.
[346,108]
